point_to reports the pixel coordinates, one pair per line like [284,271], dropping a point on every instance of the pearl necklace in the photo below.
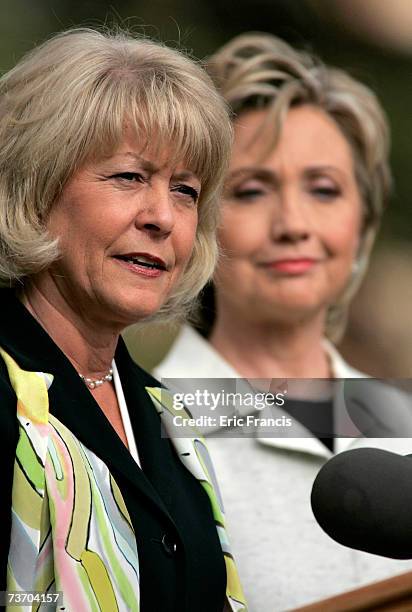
[92,383]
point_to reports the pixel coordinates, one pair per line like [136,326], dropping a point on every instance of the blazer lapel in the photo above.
[82,415]
[71,402]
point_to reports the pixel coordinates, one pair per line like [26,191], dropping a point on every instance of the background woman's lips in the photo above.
[292,266]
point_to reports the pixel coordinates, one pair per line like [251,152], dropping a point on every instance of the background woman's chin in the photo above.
[295,314]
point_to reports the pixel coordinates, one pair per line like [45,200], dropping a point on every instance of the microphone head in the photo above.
[362,498]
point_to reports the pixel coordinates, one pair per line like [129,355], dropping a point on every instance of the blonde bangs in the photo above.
[164,115]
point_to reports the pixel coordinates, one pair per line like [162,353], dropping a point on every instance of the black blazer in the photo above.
[180,557]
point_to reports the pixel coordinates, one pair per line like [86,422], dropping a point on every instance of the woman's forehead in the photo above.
[307,133]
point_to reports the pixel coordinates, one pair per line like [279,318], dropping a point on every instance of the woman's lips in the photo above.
[292,266]
[143,264]
[141,270]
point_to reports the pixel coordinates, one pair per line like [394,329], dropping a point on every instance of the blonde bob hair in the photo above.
[67,102]
[260,71]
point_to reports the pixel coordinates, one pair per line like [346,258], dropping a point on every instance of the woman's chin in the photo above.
[129,311]
[290,312]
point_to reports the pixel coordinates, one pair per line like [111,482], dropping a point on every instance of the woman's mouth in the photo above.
[292,266]
[144,264]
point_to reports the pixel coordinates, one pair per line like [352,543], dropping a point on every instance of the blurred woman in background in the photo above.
[306,187]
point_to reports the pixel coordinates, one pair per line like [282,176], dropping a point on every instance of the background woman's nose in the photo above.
[291,221]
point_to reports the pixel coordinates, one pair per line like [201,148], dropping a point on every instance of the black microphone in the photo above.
[362,498]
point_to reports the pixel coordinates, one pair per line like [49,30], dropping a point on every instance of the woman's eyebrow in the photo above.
[254,172]
[150,167]
[185,175]
[272,177]
[324,168]
[144,163]
[147,165]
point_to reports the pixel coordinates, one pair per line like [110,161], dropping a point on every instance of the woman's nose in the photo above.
[291,222]
[156,214]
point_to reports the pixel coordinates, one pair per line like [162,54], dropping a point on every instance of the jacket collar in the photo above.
[71,402]
[339,367]
[192,356]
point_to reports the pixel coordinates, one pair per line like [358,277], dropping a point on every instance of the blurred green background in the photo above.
[360,36]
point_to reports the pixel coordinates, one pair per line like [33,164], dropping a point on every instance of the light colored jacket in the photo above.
[283,556]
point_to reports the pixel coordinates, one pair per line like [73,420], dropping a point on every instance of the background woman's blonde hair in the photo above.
[260,71]
[67,102]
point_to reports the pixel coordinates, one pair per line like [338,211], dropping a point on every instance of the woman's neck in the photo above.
[90,350]
[272,350]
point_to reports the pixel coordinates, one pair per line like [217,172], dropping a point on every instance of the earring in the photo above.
[356,266]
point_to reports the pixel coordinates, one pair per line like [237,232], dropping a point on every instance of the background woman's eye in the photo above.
[187,190]
[326,192]
[250,193]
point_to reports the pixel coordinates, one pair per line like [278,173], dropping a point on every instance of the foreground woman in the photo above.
[306,186]
[110,166]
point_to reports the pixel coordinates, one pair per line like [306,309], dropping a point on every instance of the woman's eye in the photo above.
[326,193]
[247,194]
[187,190]
[128,176]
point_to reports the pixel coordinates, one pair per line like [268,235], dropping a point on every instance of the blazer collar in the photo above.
[71,402]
